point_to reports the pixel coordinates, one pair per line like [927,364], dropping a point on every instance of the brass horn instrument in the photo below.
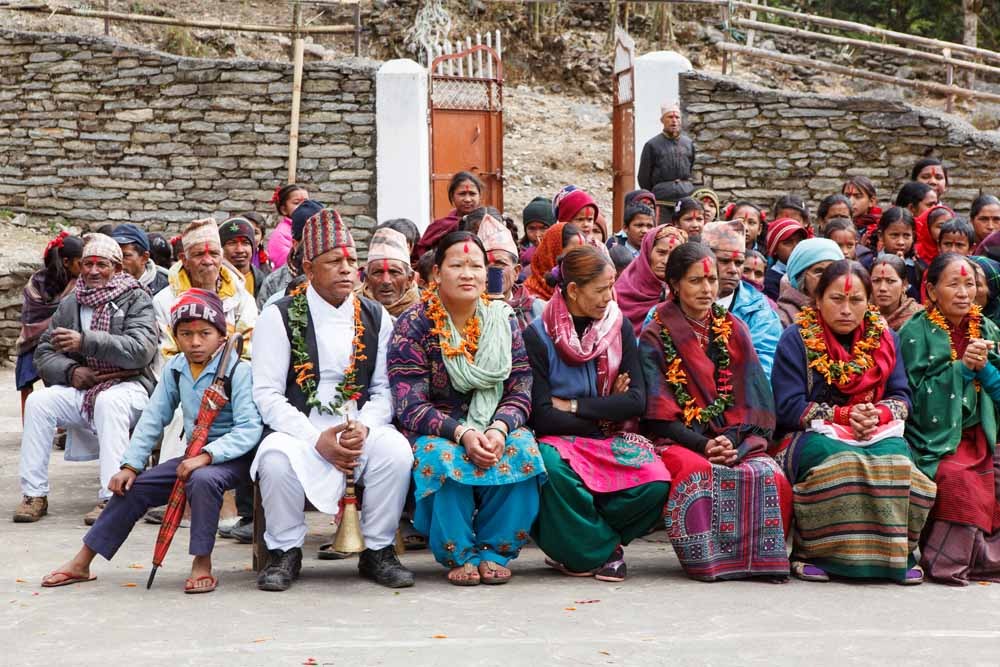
[349,538]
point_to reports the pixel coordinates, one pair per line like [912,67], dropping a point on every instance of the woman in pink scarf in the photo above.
[641,285]
[606,486]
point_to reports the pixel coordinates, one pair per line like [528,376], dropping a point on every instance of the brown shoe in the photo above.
[31,509]
[91,517]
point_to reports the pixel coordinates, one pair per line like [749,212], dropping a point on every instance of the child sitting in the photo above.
[199,327]
[956,236]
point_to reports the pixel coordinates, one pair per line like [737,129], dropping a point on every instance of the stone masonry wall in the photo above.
[93,132]
[757,143]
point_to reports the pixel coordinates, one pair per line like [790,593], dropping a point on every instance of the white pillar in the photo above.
[403,152]
[657,80]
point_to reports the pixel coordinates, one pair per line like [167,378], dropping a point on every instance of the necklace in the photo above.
[975,325]
[676,377]
[840,372]
[469,341]
[348,388]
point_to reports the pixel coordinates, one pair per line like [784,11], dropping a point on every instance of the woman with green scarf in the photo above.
[952,365]
[988,287]
[462,387]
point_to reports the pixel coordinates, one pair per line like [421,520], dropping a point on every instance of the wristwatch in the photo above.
[572,405]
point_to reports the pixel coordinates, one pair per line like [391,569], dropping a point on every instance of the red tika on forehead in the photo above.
[385,265]
[847,283]
[706,264]
[343,249]
[465,248]
[962,267]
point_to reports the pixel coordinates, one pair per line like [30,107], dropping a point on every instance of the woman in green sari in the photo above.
[952,365]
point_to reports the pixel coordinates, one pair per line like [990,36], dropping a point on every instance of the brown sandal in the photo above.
[494,574]
[468,573]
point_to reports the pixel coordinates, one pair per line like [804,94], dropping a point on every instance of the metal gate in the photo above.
[623,125]
[466,118]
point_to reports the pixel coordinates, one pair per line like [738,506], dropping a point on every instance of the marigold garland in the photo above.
[348,389]
[677,379]
[840,372]
[470,334]
[935,317]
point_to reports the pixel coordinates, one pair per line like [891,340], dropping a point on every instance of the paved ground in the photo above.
[657,617]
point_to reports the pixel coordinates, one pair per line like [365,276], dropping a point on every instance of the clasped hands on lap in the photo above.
[342,445]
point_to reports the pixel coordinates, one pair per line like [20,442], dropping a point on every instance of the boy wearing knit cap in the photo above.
[782,236]
[199,326]
[238,238]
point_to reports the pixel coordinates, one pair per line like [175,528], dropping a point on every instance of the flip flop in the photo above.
[70,579]
[190,585]
[496,576]
[565,570]
[471,573]
[808,572]
[914,577]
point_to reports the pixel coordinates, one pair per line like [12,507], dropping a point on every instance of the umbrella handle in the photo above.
[235,342]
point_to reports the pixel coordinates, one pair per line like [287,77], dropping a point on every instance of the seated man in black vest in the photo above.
[321,350]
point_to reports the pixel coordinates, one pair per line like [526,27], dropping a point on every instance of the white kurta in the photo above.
[385,463]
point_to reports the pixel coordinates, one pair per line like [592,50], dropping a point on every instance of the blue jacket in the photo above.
[235,431]
[752,307]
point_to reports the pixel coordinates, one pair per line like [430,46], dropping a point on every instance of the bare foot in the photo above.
[201,580]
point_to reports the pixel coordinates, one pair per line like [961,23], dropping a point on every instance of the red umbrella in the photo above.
[212,401]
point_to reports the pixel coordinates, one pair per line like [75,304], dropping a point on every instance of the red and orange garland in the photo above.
[437,314]
[348,389]
[935,317]
[677,379]
[840,372]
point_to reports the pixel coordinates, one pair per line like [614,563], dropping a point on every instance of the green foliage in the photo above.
[180,41]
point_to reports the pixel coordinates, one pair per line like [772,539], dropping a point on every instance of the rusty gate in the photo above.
[623,125]
[466,118]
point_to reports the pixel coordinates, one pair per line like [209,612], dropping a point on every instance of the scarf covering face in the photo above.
[101,299]
[637,288]
[486,374]
[601,340]
[992,270]
[37,309]
[544,260]
[867,387]
[752,412]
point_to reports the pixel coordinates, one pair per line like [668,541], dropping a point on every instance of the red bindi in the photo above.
[465,248]
[706,264]
[343,249]
[489,256]
[847,283]
[964,272]
[736,255]
[385,265]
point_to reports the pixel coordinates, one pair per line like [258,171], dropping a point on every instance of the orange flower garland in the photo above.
[348,388]
[840,372]
[437,314]
[935,317]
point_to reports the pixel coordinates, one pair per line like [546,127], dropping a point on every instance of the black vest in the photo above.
[371,318]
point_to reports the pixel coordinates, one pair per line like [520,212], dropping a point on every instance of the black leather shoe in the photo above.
[227,531]
[242,532]
[283,569]
[384,568]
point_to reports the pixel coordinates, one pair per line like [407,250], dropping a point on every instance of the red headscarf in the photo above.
[867,387]
[925,247]
[550,247]
[637,288]
[573,203]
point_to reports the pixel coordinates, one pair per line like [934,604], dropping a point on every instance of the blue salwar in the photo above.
[469,514]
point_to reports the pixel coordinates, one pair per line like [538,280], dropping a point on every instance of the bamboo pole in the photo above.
[185,23]
[851,71]
[868,30]
[357,29]
[865,44]
[298,47]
